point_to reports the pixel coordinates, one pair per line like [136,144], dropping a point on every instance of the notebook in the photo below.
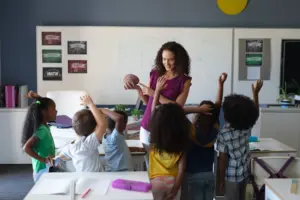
[61,186]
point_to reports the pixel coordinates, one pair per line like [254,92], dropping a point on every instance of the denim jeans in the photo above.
[198,186]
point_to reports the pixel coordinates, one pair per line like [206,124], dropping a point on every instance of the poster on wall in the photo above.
[77,47]
[52,73]
[254,59]
[51,38]
[254,46]
[51,55]
[77,66]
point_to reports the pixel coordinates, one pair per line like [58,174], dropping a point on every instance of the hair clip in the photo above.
[38,102]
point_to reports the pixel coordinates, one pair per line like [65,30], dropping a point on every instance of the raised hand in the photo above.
[256,87]
[222,78]
[86,100]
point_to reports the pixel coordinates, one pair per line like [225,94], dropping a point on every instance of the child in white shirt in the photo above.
[90,126]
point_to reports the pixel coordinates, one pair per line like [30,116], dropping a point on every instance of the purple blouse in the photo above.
[172,91]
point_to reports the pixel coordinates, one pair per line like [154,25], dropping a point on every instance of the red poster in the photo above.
[51,38]
[77,66]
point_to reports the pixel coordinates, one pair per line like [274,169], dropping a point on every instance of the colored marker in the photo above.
[86,192]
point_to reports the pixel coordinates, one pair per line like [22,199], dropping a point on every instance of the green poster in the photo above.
[51,55]
[254,59]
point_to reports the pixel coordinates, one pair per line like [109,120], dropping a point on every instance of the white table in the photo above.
[279,189]
[112,194]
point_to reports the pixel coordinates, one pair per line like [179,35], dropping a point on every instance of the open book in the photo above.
[62,186]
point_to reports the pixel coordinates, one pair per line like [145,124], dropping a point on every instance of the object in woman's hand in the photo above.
[130,80]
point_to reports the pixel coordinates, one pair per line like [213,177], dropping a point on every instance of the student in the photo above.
[199,181]
[168,143]
[117,153]
[240,114]
[90,126]
[37,140]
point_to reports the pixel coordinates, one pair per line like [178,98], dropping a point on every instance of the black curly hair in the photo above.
[182,58]
[111,123]
[209,120]
[169,129]
[35,117]
[240,111]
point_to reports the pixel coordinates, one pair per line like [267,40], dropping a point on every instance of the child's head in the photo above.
[169,129]
[111,123]
[240,111]
[39,112]
[172,56]
[84,122]
[206,120]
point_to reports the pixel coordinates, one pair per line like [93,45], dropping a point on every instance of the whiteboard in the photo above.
[113,52]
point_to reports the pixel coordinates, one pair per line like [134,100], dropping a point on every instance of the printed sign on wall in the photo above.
[52,73]
[51,38]
[77,66]
[77,47]
[52,55]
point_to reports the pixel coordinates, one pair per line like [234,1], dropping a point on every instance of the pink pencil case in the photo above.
[131,185]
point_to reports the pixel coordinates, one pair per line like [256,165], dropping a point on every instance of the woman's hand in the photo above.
[146,90]
[129,85]
[161,83]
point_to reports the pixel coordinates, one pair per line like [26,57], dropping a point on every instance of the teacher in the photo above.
[173,62]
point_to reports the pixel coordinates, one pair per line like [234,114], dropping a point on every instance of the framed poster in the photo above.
[77,66]
[52,73]
[51,38]
[51,55]
[77,47]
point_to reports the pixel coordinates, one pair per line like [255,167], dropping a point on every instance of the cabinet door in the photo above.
[11,132]
[284,127]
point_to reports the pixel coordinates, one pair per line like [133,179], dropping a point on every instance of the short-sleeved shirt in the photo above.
[84,154]
[44,147]
[163,164]
[236,145]
[117,154]
[200,156]
[173,89]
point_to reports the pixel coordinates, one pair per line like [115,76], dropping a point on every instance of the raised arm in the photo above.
[116,117]
[255,91]
[98,115]
[160,85]
[204,109]
[219,99]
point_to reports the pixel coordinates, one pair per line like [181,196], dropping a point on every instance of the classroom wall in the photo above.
[19,19]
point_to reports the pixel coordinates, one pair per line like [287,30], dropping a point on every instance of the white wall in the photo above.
[270,90]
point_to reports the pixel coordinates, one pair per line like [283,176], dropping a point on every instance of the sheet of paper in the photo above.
[134,143]
[253,73]
[58,186]
[98,187]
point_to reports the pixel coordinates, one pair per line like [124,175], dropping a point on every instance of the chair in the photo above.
[67,101]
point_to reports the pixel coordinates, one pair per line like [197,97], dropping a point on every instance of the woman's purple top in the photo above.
[173,89]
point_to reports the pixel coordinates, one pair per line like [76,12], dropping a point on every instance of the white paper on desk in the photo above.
[98,187]
[52,186]
[134,143]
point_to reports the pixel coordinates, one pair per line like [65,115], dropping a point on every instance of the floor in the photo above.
[15,181]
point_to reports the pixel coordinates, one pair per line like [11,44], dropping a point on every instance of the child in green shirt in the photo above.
[37,140]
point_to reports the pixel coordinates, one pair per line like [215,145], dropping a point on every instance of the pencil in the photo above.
[85,193]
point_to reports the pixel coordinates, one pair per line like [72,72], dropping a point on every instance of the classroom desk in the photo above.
[111,194]
[265,147]
[279,189]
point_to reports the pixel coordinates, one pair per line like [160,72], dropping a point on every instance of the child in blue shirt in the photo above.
[199,182]
[117,153]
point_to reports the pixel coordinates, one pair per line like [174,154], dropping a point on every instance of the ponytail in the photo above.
[34,117]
